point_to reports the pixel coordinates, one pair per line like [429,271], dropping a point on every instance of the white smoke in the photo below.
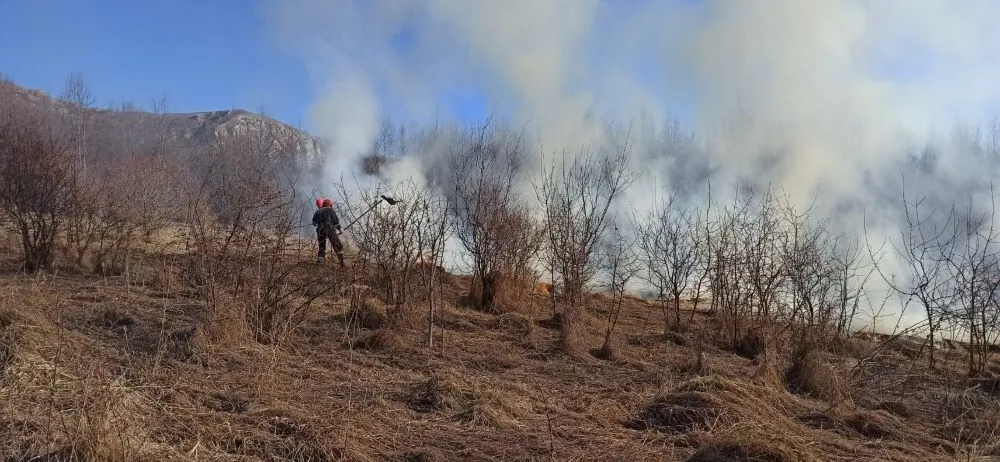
[347,117]
[821,99]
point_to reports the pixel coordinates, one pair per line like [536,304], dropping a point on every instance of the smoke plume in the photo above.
[829,101]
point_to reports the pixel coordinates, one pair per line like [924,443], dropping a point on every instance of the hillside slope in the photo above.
[137,368]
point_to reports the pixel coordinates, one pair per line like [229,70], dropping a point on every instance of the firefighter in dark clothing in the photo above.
[327,228]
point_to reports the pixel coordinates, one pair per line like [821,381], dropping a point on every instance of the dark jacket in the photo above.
[325,220]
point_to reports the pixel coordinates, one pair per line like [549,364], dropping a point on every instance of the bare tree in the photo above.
[925,245]
[78,93]
[975,271]
[670,249]
[576,194]
[494,225]
[703,228]
[161,142]
[851,278]
[621,261]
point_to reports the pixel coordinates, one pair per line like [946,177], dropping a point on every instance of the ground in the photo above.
[130,368]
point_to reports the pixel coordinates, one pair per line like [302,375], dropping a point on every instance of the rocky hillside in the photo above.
[135,130]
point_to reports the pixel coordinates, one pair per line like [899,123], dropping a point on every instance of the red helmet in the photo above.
[319,203]
[327,203]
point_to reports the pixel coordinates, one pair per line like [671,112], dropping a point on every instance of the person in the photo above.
[327,228]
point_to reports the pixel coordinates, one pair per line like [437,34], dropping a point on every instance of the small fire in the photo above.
[544,288]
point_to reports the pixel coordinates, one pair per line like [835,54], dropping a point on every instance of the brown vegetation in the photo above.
[206,331]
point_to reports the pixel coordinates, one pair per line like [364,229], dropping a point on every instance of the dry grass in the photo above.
[380,340]
[371,314]
[809,375]
[747,449]
[112,369]
[513,294]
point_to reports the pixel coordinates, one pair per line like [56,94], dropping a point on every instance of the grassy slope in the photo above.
[114,371]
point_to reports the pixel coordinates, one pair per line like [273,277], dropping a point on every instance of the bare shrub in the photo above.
[37,183]
[974,267]
[116,205]
[397,241]
[925,244]
[493,224]
[621,262]
[77,92]
[576,194]
[242,218]
[670,247]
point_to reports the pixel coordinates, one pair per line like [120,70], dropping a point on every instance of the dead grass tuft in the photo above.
[380,340]
[8,339]
[877,424]
[971,431]
[519,327]
[809,375]
[553,323]
[677,338]
[604,353]
[682,412]
[766,374]
[897,408]
[710,402]
[819,421]
[745,450]
[436,394]
[750,345]
[989,385]
[467,402]
[371,314]
[512,293]
[424,455]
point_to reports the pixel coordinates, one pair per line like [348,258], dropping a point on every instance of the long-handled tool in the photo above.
[381,198]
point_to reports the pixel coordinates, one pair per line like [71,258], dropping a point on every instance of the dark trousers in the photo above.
[331,235]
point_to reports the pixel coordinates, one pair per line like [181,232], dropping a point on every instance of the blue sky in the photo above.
[206,55]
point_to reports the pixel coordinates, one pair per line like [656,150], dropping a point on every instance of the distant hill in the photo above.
[138,130]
